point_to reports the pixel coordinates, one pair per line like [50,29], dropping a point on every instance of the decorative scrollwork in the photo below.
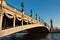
[9,15]
[19,18]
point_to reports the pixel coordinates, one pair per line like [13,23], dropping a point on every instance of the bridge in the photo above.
[13,20]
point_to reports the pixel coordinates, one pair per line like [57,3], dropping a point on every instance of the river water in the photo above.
[32,36]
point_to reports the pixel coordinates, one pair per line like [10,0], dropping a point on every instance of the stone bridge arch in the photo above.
[39,29]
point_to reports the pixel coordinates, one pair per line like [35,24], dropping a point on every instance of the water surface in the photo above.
[32,36]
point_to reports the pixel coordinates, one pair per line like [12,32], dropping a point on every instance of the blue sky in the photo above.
[46,9]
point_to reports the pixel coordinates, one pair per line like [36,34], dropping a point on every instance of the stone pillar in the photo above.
[1,13]
[14,20]
[22,18]
[1,20]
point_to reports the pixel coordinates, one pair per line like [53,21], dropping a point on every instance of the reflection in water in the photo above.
[32,36]
[55,36]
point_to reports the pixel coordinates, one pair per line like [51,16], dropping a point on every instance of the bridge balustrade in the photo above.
[8,22]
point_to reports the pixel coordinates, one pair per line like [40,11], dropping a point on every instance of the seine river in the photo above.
[32,36]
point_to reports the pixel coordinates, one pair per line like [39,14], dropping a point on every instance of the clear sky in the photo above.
[46,9]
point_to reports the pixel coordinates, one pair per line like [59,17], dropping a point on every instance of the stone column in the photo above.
[1,19]
[14,20]
[1,14]
[22,18]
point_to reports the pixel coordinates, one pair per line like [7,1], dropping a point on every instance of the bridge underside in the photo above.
[38,30]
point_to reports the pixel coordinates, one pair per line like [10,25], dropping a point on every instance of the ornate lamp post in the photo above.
[39,18]
[51,22]
[31,13]
[36,16]
[22,5]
